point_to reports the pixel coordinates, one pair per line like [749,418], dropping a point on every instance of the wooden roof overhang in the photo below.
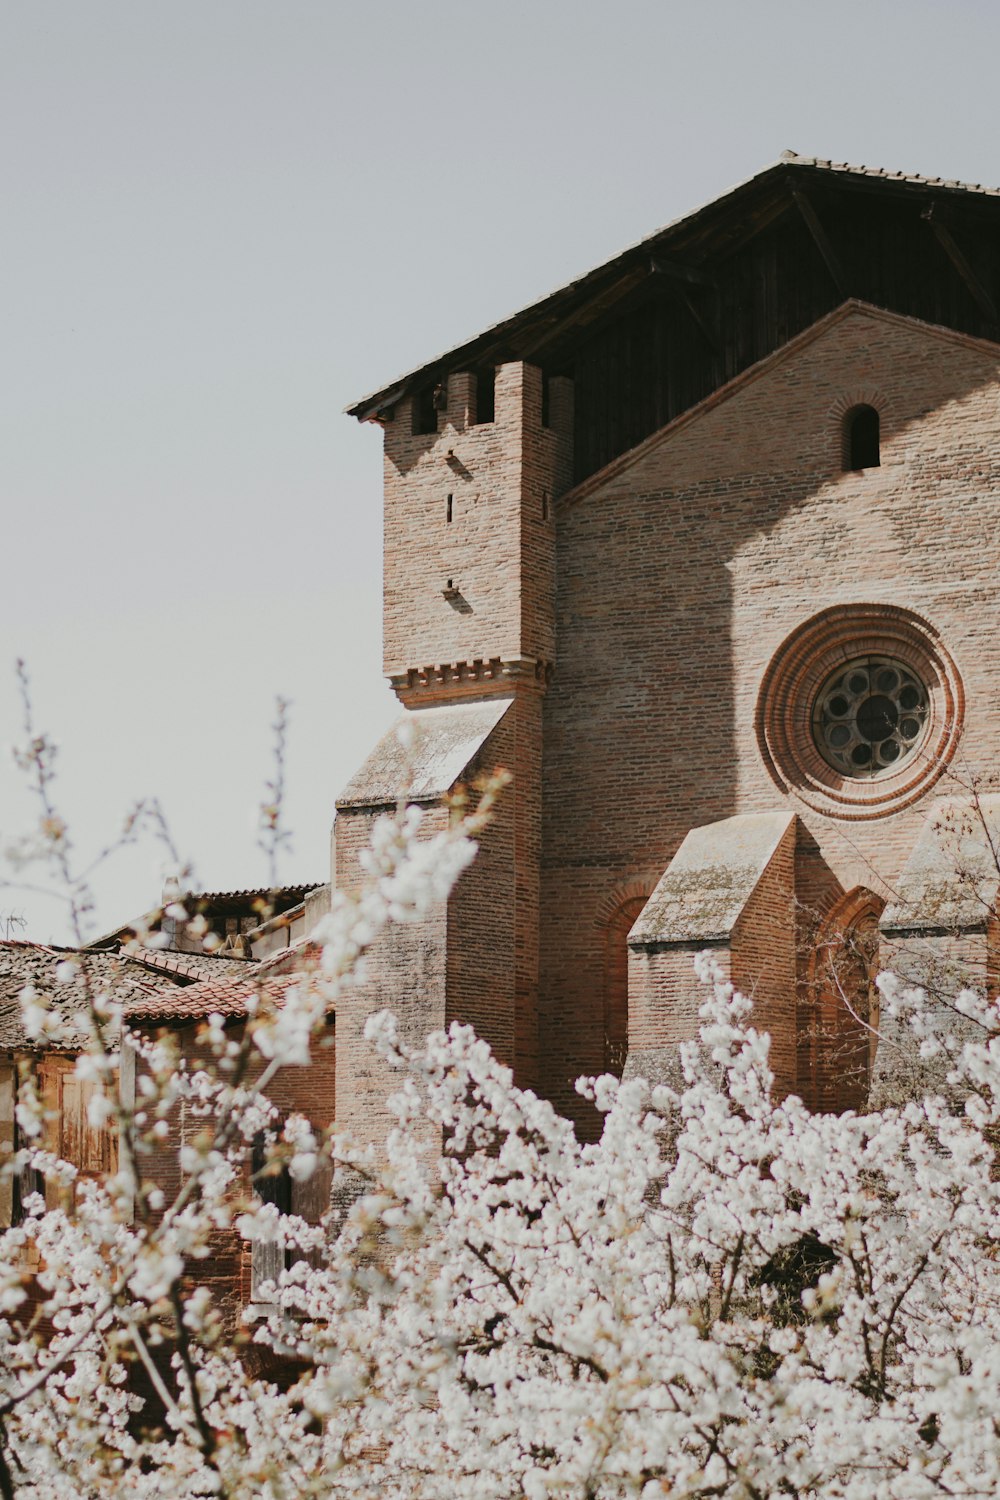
[680,261]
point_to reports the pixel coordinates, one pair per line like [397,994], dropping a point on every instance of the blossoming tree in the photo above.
[724,1296]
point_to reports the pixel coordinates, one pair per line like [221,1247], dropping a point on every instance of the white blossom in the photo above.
[724,1295]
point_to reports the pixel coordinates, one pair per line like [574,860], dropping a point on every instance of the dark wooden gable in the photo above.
[666,323]
[675,342]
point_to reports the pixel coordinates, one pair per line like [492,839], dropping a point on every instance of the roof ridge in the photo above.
[369,405]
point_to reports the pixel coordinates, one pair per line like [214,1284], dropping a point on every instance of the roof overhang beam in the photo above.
[955,254]
[693,275]
[822,242]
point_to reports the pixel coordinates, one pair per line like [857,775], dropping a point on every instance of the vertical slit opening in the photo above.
[425,417]
[486,395]
[861,438]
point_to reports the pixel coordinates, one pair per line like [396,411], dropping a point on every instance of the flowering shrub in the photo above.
[725,1296]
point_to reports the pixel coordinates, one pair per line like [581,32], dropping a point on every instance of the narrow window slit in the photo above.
[425,417]
[861,438]
[485,395]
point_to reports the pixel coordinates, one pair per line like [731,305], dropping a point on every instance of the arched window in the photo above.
[861,438]
[846,1003]
[616,984]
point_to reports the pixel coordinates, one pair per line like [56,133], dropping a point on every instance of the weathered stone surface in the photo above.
[951,879]
[710,880]
[437,746]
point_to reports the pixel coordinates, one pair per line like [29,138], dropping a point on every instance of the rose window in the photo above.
[869,716]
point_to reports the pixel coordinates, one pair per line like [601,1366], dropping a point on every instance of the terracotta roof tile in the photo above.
[226,996]
[24,963]
[304,953]
[186,965]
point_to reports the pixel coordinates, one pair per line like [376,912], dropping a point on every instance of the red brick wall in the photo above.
[482,970]
[475,959]
[763,963]
[619,923]
[498,548]
[405,972]
[679,576]
[495,634]
[669,581]
[309,1091]
[663,999]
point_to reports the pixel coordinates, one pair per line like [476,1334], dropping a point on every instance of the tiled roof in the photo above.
[155,988]
[227,994]
[281,892]
[305,954]
[853,170]
[191,966]
[24,963]
[212,903]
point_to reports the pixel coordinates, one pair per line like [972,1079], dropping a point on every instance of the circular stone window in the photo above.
[870,716]
[860,710]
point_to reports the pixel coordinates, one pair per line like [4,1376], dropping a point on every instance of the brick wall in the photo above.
[473,503]
[310,1091]
[668,582]
[405,972]
[943,963]
[497,549]
[474,959]
[763,962]
[481,965]
[679,575]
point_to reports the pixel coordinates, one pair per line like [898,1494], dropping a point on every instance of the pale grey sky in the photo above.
[224,219]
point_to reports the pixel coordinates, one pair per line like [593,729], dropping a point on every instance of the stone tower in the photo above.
[472,472]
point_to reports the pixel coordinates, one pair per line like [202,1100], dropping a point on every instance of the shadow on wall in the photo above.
[649,721]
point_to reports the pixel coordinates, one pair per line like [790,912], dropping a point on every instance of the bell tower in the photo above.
[474,463]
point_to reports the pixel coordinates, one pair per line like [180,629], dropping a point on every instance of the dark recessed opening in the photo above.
[861,438]
[425,417]
[486,395]
[270,1187]
[451,508]
[877,717]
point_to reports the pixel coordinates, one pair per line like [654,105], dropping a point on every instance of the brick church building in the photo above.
[703,548]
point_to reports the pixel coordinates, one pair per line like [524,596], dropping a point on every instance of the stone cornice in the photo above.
[470,679]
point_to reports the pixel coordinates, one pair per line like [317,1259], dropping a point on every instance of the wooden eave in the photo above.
[550,329]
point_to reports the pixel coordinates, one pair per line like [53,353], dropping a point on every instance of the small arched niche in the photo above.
[845,1003]
[862,438]
[617,930]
